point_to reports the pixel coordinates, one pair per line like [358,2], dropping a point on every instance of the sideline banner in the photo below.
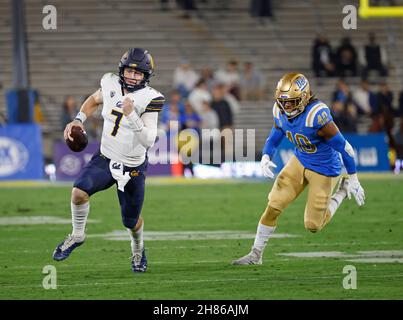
[21,156]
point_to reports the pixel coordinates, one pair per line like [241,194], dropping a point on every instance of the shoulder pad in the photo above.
[107,76]
[318,116]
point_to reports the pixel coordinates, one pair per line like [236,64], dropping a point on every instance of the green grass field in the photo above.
[370,238]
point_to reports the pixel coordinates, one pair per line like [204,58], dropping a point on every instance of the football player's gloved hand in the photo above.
[267,164]
[354,188]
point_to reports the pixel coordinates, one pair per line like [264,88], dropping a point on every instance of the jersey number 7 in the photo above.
[119,116]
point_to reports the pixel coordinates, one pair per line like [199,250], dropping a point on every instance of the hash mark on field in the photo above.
[35,220]
[375,256]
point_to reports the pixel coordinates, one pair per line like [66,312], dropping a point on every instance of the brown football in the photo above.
[80,139]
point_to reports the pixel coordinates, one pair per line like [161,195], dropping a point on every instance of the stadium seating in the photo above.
[91,35]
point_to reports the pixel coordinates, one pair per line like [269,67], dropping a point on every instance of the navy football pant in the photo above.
[96,176]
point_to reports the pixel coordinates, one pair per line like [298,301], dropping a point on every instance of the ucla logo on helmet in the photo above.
[301,82]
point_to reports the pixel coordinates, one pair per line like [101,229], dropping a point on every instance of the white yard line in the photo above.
[159,282]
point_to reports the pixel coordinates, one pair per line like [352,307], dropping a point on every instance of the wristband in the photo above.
[81,116]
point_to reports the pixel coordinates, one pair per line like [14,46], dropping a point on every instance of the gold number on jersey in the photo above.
[119,116]
[322,119]
[302,142]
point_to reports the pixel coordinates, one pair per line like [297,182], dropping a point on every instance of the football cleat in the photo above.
[64,249]
[139,262]
[253,257]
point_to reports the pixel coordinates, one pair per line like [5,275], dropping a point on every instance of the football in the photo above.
[80,139]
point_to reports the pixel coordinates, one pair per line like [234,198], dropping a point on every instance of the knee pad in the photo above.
[269,216]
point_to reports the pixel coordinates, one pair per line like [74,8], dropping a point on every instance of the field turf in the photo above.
[369,238]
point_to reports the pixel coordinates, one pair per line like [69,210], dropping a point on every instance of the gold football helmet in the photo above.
[293,93]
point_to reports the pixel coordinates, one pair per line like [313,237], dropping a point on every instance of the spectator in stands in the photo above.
[252,83]
[384,114]
[190,119]
[398,138]
[185,78]
[209,118]
[3,119]
[322,58]
[38,114]
[230,77]
[172,111]
[93,125]
[373,57]
[222,107]
[400,108]
[346,59]
[188,6]
[208,76]
[261,9]
[343,109]
[225,118]
[364,99]
[199,95]
[69,110]
[342,93]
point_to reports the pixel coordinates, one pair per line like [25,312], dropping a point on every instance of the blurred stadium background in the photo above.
[190,40]
[276,37]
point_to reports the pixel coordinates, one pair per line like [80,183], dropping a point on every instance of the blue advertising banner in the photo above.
[21,156]
[371,152]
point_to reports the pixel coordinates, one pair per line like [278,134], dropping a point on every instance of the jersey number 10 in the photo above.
[301,142]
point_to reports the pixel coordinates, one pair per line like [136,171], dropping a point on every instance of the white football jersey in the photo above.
[119,141]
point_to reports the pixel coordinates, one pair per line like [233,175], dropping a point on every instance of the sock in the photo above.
[335,201]
[262,236]
[137,241]
[79,214]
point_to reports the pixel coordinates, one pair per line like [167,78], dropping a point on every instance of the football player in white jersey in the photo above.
[130,112]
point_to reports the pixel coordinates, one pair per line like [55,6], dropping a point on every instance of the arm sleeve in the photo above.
[340,144]
[145,127]
[273,141]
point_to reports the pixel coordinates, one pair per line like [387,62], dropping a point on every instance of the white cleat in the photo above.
[253,257]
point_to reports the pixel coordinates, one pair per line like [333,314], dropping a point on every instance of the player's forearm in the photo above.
[146,131]
[340,144]
[273,141]
[90,105]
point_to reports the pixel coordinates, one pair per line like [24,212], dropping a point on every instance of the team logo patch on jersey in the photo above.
[116,166]
[134,173]
[119,104]
[113,94]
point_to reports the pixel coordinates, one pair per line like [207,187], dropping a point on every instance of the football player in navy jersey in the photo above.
[130,109]
[308,124]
